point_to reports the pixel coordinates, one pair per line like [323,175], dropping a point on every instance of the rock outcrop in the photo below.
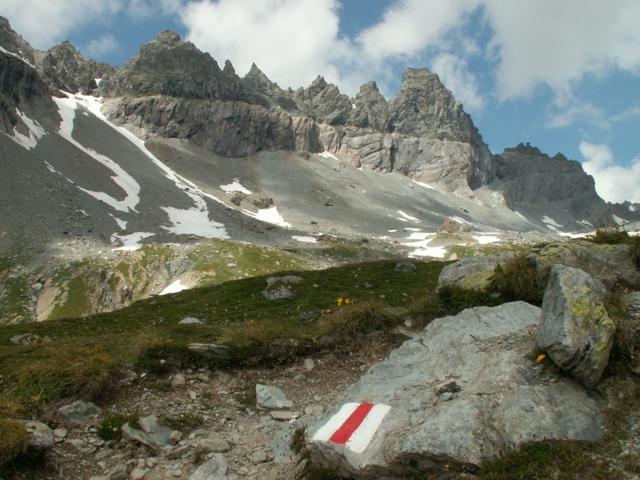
[473,273]
[576,330]
[66,69]
[463,391]
[527,177]
[169,66]
[24,97]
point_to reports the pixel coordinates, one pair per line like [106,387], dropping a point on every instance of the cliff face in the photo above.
[172,89]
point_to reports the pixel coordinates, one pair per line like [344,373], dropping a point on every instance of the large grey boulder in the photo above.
[463,391]
[473,273]
[611,264]
[576,330]
[79,412]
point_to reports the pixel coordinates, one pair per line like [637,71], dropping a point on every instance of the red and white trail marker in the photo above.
[353,426]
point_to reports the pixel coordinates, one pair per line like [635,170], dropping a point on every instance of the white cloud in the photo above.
[101,46]
[455,74]
[558,43]
[614,183]
[45,22]
[291,40]
[409,26]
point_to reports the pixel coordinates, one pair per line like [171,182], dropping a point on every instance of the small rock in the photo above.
[260,456]
[310,316]
[40,435]
[210,350]
[118,473]
[178,380]
[152,434]
[269,397]
[284,415]
[313,410]
[178,452]
[138,473]
[190,321]
[152,462]
[29,339]
[405,266]
[60,432]
[214,469]
[279,288]
[175,437]
[79,412]
[309,364]
[213,443]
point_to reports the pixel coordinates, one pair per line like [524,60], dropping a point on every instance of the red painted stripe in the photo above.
[351,424]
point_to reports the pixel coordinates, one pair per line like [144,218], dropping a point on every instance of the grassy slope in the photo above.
[83,351]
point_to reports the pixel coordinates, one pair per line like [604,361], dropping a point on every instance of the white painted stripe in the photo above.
[335,422]
[363,435]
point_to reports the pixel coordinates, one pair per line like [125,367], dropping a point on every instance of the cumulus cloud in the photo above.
[101,46]
[291,40]
[557,43]
[44,22]
[614,183]
[410,26]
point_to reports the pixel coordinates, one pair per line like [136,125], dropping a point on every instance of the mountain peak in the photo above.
[168,38]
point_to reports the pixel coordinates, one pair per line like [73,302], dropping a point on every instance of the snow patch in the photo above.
[406,217]
[121,223]
[200,209]
[521,216]
[236,186]
[435,252]
[422,184]
[269,215]
[36,132]
[632,208]
[175,287]
[130,242]
[194,221]
[393,230]
[461,220]
[3,50]
[326,154]
[585,223]
[486,239]
[67,108]
[304,239]
[551,222]
[619,221]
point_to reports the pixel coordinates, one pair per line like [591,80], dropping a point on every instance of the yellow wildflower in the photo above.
[347,301]
[339,301]
[540,357]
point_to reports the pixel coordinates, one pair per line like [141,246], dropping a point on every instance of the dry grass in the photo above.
[65,369]
[518,280]
[354,319]
[13,440]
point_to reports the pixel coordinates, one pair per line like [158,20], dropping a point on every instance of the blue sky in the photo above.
[564,76]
